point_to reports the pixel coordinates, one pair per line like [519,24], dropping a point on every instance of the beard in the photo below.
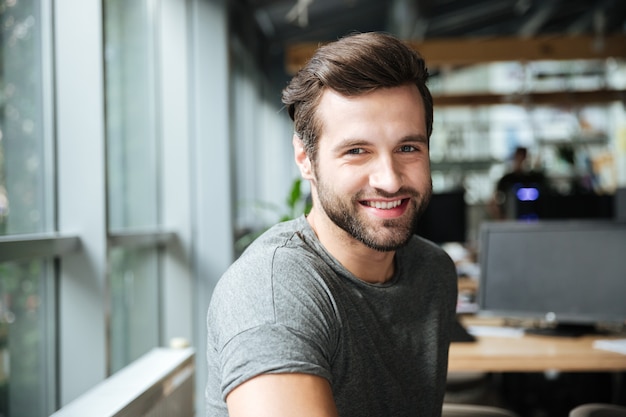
[385,235]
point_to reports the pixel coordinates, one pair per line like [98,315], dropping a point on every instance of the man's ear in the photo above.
[302,159]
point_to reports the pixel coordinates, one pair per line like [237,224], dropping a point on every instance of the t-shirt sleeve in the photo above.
[267,349]
[276,318]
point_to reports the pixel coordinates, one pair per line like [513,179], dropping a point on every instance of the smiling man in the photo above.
[344,312]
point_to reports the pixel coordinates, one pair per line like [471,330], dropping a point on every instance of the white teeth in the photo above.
[384,205]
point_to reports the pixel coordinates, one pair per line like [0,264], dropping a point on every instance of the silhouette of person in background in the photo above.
[519,184]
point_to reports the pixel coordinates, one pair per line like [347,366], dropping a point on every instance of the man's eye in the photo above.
[408,148]
[355,151]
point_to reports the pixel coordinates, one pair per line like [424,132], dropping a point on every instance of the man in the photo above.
[344,312]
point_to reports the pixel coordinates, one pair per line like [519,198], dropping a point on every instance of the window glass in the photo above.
[133,176]
[130,115]
[134,304]
[24,202]
[25,351]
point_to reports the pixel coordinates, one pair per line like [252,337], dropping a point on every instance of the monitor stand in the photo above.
[565,330]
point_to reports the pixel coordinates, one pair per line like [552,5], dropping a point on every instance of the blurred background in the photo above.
[143,143]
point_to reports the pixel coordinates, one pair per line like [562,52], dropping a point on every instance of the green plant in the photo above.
[297,203]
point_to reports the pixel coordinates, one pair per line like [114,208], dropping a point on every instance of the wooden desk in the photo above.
[534,353]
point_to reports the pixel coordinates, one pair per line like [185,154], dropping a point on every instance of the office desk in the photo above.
[534,353]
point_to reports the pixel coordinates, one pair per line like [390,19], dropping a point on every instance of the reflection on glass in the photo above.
[23,205]
[134,320]
[130,120]
[23,345]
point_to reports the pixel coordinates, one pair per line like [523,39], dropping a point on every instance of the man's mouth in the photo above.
[383,205]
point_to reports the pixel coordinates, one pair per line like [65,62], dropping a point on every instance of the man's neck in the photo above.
[367,264]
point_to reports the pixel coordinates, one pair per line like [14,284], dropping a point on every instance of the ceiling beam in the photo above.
[538,19]
[454,52]
[573,98]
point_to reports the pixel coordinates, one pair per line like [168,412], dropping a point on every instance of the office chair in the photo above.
[470,410]
[467,387]
[598,410]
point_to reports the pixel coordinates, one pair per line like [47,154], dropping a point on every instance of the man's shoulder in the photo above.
[259,287]
[423,252]
[279,235]
[285,251]
[424,245]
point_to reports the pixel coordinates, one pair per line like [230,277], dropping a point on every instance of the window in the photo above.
[27,300]
[133,178]
[130,115]
[134,306]
[104,188]
[25,183]
[26,332]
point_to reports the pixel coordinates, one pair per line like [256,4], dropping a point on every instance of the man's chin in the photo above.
[385,247]
[386,241]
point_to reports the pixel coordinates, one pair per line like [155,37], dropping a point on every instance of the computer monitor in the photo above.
[445,218]
[576,206]
[619,204]
[566,273]
[529,203]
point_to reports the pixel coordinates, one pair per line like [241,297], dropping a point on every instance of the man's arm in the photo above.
[282,395]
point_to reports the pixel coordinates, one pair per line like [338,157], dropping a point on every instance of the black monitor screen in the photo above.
[445,218]
[535,204]
[561,271]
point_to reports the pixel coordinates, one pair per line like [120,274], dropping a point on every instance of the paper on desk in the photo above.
[614,345]
[495,331]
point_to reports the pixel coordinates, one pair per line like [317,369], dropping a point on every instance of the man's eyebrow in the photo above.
[414,138]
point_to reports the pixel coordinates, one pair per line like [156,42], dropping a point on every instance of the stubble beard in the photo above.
[385,236]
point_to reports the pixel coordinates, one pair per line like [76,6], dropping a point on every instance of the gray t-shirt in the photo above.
[286,305]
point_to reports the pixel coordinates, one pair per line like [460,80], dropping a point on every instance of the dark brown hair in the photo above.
[353,65]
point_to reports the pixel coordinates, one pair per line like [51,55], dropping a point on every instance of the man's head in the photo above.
[363,117]
[352,66]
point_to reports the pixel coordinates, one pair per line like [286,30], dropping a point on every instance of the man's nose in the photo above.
[386,175]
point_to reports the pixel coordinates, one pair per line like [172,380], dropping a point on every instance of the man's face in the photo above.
[372,172]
